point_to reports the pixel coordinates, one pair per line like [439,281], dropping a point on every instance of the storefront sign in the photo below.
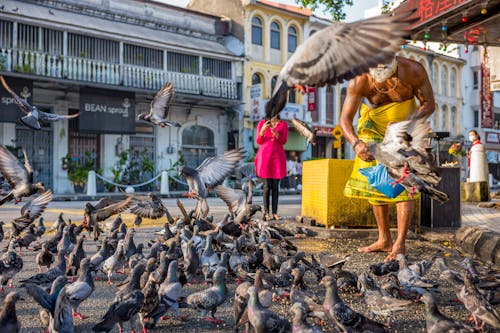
[291,110]
[494,65]
[492,137]
[427,10]
[323,131]
[106,111]
[9,110]
[486,98]
[256,103]
[311,98]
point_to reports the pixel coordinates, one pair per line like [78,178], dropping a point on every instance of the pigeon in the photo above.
[40,228]
[335,54]
[8,317]
[33,114]
[436,322]
[410,279]
[10,265]
[65,245]
[126,305]
[210,173]
[27,237]
[151,302]
[477,305]
[97,259]
[44,258]
[102,211]
[75,258]
[304,130]
[115,224]
[62,319]
[342,315]
[137,257]
[129,244]
[384,268]
[58,222]
[81,289]
[238,203]
[30,211]
[263,320]
[380,303]
[299,320]
[191,262]
[211,298]
[148,206]
[209,260]
[50,275]
[115,262]
[403,152]
[2,232]
[160,106]
[422,267]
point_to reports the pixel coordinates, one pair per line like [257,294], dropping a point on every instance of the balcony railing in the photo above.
[82,69]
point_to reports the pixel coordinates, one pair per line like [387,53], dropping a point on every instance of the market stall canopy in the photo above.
[455,21]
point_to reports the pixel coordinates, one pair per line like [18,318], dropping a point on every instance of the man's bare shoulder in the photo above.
[410,65]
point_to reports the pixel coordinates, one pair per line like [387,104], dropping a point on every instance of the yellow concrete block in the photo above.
[323,197]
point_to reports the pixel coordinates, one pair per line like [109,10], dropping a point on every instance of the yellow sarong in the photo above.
[372,125]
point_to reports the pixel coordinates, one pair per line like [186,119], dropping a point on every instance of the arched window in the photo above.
[197,145]
[273,83]
[434,77]
[453,83]
[444,118]
[444,80]
[292,96]
[292,39]
[434,118]
[275,36]
[256,79]
[453,119]
[256,31]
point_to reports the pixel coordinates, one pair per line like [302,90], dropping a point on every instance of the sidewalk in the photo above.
[474,216]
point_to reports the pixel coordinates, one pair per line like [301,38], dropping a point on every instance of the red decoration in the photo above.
[464,19]
[429,9]
[311,98]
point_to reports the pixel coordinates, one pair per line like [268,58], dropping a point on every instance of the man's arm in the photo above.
[349,109]
[423,91]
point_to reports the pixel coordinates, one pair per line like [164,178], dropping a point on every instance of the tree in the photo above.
[334,7]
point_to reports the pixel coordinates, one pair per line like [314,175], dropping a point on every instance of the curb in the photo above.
[480,242]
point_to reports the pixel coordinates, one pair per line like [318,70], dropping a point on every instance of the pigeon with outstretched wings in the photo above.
[160,107]
[30,211]
[340,52]
[33,115]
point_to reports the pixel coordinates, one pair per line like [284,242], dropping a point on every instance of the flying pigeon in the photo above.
[304,130]
[30,211]
[339,52]
[148,206]
[238,203]
[160,107]
[210,173]
[33,115]
[19,177]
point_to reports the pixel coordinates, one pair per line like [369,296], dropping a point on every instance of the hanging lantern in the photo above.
[484,11]
[426,35]
[464,19]
[444,28]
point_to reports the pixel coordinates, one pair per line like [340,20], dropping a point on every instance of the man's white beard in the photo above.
[383,74]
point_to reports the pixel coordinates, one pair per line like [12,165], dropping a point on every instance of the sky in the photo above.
[353,13]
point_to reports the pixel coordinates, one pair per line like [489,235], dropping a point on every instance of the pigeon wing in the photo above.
[234,199]
[112,209]
[344,50]
[12,169]
[24,106]
[214,170]
[303,129]
[37,205]
[45,116]
[160,105]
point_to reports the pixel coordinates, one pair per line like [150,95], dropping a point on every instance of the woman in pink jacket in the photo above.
[270,161]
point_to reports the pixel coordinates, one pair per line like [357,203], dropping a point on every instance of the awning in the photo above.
[455,21]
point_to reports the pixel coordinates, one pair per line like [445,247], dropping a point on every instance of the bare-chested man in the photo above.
[391,90]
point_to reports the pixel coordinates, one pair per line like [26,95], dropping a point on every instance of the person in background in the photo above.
[476,158]
[270,160]
[291,166]
[298,173]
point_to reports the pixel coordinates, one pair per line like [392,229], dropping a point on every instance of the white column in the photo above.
[8,134]
[60,144]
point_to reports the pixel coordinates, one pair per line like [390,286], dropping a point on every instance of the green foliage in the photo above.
[133,167]
[334,7]
[78,167]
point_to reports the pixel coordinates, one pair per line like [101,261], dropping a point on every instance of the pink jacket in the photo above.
[270,161]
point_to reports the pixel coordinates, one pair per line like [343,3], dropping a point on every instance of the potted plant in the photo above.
[78,169]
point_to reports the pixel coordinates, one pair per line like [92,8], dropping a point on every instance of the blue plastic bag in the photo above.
[379,178]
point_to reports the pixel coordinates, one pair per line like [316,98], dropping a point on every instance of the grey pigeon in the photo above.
[30,211]
[81,289]
[115,262]
[304,130]
[238,202]
[191,262]
[97,259]
[101,211]
[436,322]
[33,114]
[129,245]
[50,275]
[75,258]
[27,237]
[342,315]
[148,206]
[160,106]
[8,317]
[408,278]
[211,298]
[335,54]
[403,152]
[10,265]
[115,224]
[263,320]
[421,267]
[40,228]
[299,323]
[210,173]
[58,222]
[384,268]
[65,245]
[477,305]
[209,259]
[44,258]
[126,305]
[62,319]
[137,257]
[151,302]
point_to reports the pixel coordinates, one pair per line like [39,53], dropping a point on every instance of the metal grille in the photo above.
[79,143]
[28,37]
[81,46]
[142,56]
[144,146]
[5,34]
[183,63]
[193,156]
[52,41]
[217,68]
[38,145]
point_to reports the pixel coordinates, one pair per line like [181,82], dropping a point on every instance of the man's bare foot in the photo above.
[396,249]
[378,246]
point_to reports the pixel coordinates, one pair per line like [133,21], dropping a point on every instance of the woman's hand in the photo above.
[266,125]
[362,152]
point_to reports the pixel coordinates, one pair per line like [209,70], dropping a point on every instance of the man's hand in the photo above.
[363,153]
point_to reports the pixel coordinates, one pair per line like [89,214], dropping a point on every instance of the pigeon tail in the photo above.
[30,121]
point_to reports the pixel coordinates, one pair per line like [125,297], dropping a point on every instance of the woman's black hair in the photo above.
[476,134]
